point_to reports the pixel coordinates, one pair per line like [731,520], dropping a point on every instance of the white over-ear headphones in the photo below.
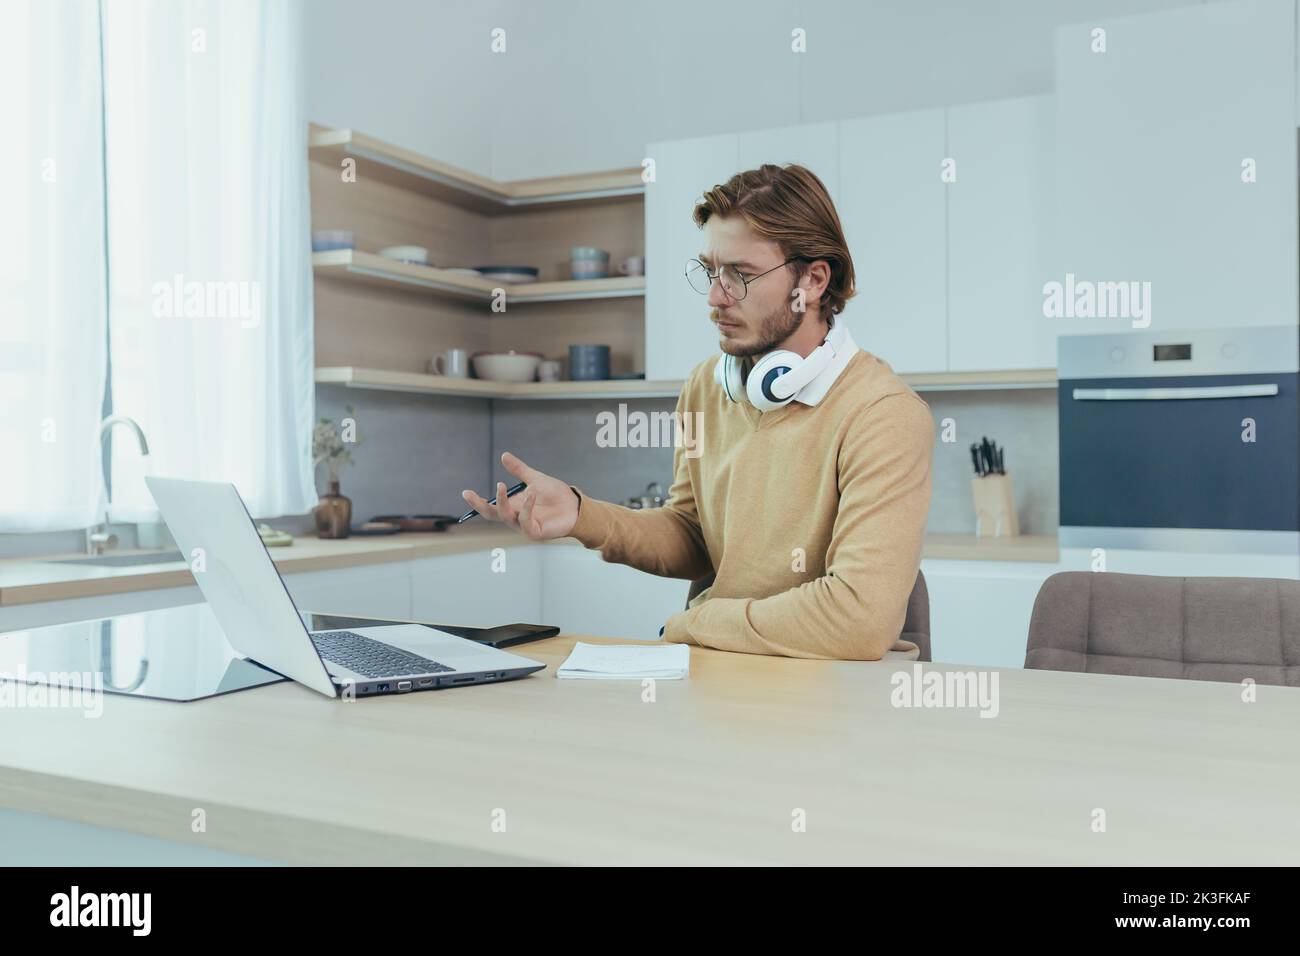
[778,376]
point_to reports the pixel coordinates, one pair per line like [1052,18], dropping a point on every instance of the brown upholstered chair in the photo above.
[916,626]
[1201,628]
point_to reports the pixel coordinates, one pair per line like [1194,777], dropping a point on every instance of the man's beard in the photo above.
[773,329]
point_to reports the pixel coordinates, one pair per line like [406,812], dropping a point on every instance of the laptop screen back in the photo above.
[238,578]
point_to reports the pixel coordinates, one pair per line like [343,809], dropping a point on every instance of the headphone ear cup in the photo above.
[727,374]
[762,376]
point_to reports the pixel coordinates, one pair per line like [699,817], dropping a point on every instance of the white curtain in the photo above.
[52,301]
[209,249]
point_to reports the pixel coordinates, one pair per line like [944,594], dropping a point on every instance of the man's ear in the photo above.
[813,265]
[814,297]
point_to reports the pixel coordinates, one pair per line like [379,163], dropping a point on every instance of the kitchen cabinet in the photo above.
[1162,171]
[42,613]
[949,275]
[1184,563]
[584,594]
[379,590]
[815,145]
[480,588]
[374,590]
[1151,137]
[892,208]
[980,610]
[678,332]
[999,227]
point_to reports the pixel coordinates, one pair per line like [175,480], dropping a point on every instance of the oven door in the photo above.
[1172,452]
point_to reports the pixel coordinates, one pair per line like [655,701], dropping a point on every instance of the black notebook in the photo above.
[503,635]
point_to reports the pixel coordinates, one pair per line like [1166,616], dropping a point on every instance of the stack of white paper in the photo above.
[612,662]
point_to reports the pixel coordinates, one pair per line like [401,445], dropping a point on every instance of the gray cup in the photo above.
[588,363]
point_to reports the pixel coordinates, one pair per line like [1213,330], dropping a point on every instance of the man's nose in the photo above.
[717,297]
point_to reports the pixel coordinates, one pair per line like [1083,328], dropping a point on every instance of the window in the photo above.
[193,212]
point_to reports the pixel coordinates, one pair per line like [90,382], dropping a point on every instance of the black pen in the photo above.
[513,490]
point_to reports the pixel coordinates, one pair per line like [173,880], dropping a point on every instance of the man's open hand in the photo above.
[546,509]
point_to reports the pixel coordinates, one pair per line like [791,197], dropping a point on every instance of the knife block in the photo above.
[995,507]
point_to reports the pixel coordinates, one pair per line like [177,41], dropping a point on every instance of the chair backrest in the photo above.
[1201,628]
[916,625]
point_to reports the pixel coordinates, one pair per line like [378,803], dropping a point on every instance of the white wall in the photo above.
[406,72]
[585,84]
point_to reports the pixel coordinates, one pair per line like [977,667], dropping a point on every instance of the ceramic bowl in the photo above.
[506,366]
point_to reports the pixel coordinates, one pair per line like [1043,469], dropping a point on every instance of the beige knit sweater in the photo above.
[812,515]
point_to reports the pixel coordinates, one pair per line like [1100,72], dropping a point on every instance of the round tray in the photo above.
[362,531]
[418,522]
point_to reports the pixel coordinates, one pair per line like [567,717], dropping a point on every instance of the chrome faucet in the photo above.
[97,538]
[104,665]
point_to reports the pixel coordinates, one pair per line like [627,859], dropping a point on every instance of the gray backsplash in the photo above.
[559,438]
[1023,422]
[415,454]
[419,452]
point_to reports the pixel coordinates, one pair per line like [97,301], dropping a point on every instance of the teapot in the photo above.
[652,498]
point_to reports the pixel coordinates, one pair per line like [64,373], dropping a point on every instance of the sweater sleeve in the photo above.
[666,541]
[856,610]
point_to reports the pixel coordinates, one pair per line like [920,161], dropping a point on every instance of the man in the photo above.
[812,512]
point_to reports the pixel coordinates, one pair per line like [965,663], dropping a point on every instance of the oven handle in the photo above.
[1163,394]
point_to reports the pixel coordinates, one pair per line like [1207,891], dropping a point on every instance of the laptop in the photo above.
[242,585]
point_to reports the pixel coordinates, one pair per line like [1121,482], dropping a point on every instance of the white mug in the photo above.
[549,370]
[453,363]
[632,266]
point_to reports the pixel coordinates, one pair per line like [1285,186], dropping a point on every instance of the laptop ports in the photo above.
[426,682]
[403,685]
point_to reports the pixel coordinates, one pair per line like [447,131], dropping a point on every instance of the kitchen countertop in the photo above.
[712,771]
[31,580]
[34,580]
[966,547]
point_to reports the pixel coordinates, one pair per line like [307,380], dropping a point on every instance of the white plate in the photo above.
[514,278]
[416,254]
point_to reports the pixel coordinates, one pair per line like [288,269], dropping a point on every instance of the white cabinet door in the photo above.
[815,145]
[979,610]
[479,588]
[892,210]
[1151,137]
[373,590]
[1225,564]
[678,332]
[999,217]
[584,594]
[40,614]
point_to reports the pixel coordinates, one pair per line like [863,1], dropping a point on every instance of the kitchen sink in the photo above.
[122,560]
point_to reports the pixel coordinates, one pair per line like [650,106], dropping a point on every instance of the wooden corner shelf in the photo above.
[384,380]
[1032,378]
[367,267]
[410,170]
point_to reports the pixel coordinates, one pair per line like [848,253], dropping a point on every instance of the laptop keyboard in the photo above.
[372,658]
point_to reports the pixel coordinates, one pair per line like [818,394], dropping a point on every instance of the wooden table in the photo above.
[715,770]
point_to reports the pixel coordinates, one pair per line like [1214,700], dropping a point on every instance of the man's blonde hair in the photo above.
[790,206]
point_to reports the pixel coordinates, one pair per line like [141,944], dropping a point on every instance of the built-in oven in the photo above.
[1181,440]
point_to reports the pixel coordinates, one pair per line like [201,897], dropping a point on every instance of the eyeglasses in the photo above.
[734,282]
